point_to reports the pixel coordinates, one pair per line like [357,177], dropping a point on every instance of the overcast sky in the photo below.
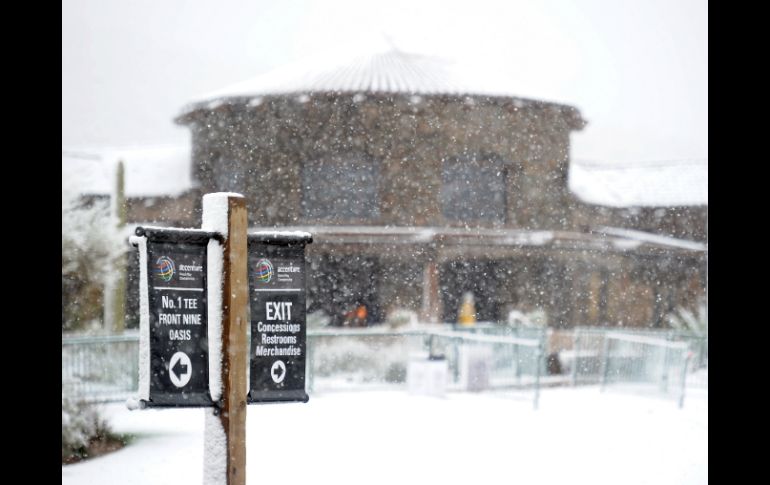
[637,70]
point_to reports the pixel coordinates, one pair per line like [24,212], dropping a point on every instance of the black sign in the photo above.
[278,331]
[176,275]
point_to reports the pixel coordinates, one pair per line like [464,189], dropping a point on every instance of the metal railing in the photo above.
[585,359]
[380,358]
[100,368]
[642,362]
[482,357]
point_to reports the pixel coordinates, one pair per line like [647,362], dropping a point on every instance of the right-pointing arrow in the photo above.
[278,371]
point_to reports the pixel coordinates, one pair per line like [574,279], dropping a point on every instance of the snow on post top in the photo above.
[215,211]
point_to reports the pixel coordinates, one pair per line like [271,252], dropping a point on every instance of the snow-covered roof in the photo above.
[647,237]
[605,238]
[661,184]
[152,171]
[381,70]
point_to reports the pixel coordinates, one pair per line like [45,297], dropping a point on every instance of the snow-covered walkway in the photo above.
[577,436]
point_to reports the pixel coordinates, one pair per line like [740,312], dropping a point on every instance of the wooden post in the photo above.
[431,293]
[115,291]
[226,213]
[119,312]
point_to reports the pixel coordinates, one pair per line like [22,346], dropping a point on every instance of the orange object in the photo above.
[467,314]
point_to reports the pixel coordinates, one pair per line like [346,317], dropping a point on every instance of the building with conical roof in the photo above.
[420,185]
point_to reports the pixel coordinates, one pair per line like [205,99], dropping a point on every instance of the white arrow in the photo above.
[180,369]
[278,371]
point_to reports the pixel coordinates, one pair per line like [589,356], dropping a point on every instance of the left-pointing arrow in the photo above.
[180,369]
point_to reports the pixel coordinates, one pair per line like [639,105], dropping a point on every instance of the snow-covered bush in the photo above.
[318,319]
[695,320]
[374,359]
[535,318]
[90,244]
[401,317]
[80,425]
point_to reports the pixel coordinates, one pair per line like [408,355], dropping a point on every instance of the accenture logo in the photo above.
[191,267]
[264,270]
[289,269]
[164,268]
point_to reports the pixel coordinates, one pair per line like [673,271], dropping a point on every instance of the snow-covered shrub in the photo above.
[695,320]
[372,359]
[80,425]
[90,244]
[401,317]
[535,318]
[318,319]
[517,318]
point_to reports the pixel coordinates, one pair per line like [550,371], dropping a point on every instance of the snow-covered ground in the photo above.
[577,436]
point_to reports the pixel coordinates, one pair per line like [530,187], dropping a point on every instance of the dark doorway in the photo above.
[478,277]
[341,284]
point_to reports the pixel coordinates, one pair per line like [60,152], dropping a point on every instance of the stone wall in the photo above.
[263,148]
[260,150]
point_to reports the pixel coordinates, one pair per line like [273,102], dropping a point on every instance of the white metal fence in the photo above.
[639,362]
[382,358]
[100,368]
[630,355]
[484,357]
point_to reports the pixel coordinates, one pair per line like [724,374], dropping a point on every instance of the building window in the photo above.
[473,189]
[341,189]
